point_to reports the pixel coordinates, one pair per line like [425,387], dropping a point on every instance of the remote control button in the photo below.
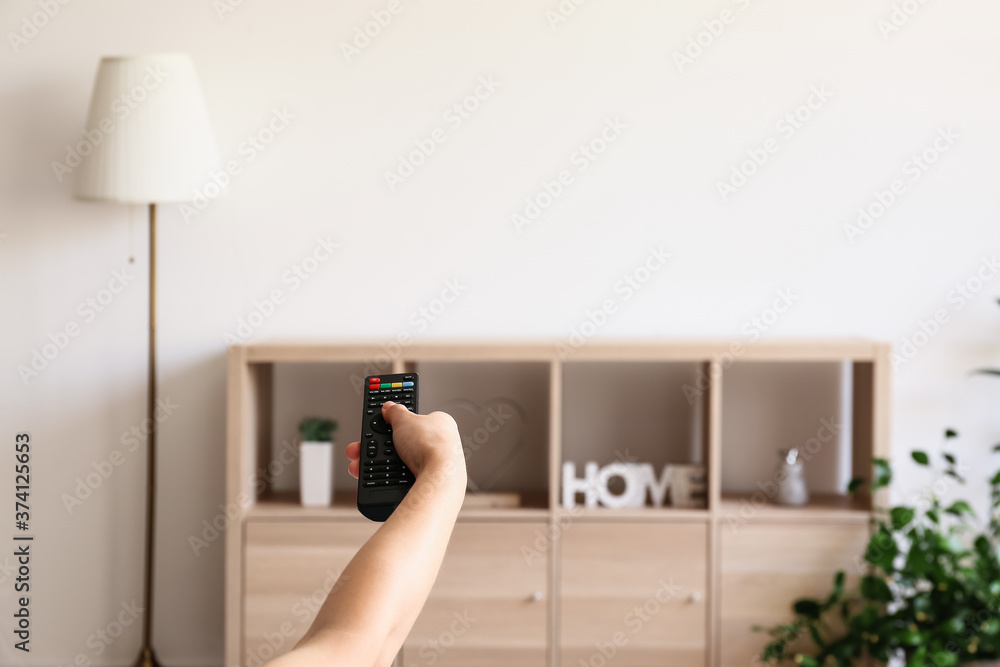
[370,411]
[406,384]
[374,379]
[368,435]
[368,485]
[379,425]
[386,385]
[373,386]
[397,385]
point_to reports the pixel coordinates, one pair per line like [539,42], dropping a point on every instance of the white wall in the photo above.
[655,185]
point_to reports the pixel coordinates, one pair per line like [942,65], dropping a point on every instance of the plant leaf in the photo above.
[920,457]
[950,433]
[854,485]
[987,371]
[808,608]
[960,507]
[875,588]
[949,458]
[944,659]
[883,474]
[838,590]
[900,517]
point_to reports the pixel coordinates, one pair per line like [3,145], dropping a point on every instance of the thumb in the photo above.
[395,413]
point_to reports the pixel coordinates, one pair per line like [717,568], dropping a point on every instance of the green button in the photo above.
[385,385]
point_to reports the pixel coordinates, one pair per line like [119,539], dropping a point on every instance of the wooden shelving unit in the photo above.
[549,584]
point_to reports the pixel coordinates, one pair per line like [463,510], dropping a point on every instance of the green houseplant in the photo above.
[929,590]
[317,429]
[929,593]
[316,461]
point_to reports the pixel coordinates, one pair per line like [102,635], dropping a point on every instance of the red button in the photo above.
[374,380]
[373,386]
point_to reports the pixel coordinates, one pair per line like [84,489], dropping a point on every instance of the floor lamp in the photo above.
[148,140]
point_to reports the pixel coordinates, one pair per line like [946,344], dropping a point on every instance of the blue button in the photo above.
[407,384]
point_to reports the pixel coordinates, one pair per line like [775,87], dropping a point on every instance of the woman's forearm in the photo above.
[382,590]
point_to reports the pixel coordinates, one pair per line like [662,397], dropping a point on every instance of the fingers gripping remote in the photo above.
[383,478]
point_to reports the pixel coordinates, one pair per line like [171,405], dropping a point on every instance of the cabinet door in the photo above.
[289,569]
[765,568]
[635,591]
[489,605]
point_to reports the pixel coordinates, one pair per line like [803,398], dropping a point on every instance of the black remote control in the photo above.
[383,478]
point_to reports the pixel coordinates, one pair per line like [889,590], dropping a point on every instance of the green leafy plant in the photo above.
[929,590]
[317,429]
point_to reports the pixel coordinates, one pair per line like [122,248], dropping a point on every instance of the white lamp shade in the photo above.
[150,136]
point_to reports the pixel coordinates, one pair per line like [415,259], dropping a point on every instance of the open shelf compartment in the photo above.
[634,413]
[503,415]
[814,407]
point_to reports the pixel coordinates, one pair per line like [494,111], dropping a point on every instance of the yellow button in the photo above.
[397,384]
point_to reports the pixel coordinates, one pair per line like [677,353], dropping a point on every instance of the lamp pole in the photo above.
[146,656]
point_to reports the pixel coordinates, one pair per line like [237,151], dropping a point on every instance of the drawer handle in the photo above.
[695,597]
[536,596]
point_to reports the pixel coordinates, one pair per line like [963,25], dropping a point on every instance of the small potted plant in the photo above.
[316,461]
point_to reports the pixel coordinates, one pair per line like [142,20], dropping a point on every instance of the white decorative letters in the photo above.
[686,484]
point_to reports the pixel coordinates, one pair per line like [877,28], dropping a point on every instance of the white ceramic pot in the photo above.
[316,473]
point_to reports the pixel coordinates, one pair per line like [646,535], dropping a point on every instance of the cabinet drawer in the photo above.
[489,605]
[765,568]
[635,589]
[289,569]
